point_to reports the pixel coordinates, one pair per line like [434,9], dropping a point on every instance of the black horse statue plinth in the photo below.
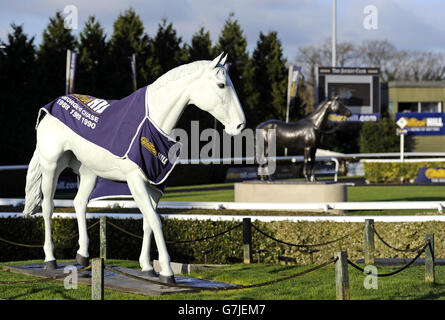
[305,133]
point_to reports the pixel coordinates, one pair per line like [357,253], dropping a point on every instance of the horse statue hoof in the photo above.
[150,273]
[167,279]
[51,265]
[84,262]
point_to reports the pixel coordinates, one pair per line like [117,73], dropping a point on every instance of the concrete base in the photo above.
[116,281]
[185,268]
[286,191]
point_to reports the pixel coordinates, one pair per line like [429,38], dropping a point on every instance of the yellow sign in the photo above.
[413,122]
[433,173]
[337,118]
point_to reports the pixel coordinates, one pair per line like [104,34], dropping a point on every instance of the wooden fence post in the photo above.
[429,259]
[97,279]
[341,275]
[103,237]
[247,240]
[369,242]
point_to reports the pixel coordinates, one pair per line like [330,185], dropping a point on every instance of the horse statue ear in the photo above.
[223,60]
[216,61]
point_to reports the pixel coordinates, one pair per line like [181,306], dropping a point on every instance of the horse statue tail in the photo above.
[33,192]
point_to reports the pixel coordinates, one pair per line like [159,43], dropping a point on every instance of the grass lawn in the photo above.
[318,285]
[355,193]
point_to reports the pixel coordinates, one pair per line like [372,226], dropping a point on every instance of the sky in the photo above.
[408,24]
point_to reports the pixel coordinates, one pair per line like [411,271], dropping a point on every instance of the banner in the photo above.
[356,117]
[431,175]
[421,123]
[294,72]
[133,71]
[292,85]
[70,71]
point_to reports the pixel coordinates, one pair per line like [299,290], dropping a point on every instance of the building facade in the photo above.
[418,97]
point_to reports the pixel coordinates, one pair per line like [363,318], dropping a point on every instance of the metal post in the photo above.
[334,33]
[341,275]
[369,242]
[97,279]
[429,259]
[402,147]
[103,237]
[247,240]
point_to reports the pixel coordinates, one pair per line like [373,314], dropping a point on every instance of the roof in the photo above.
[416,84]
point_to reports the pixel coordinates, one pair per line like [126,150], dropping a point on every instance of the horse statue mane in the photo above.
[179,72]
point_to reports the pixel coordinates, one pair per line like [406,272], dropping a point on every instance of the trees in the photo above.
[201,46]
[52,59]
[270,78]
[93,72]
[18,108]
[233,42]
[165,52]
[379,136]
[128,38]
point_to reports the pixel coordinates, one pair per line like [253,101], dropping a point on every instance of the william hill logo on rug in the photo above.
[150,147]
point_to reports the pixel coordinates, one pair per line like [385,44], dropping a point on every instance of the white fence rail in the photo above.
[283,158]
[358,219]
[259,206]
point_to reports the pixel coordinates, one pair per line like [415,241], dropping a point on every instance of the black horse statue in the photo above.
[305,133]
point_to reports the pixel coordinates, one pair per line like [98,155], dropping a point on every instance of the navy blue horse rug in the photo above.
[123,128]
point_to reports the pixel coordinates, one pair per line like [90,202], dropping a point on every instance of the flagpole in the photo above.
[334,33]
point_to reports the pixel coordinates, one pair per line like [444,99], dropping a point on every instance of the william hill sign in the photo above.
[422,124]
[431,175]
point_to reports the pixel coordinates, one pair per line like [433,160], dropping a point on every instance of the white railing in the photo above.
[203,217]
[240,160]
[258,206]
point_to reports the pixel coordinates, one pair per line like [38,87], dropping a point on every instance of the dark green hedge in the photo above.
[221,250]
[395,172]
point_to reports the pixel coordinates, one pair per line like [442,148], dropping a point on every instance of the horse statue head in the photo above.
[336,106]
[213,92]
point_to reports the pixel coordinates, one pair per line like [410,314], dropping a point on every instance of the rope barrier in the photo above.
[217,288]
[305,246]
[394,272]
[46,278]
[39,245]
[181,241]
[124,231]
[21,244]
[390,246]
[206,238]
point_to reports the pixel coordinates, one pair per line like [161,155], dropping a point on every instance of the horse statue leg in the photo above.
[259,155]
[312,163]
[86,186]
[151,223]
[51,165]
[144,258]
[307,152]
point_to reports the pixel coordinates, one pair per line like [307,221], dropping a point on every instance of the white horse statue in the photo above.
[204,84]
